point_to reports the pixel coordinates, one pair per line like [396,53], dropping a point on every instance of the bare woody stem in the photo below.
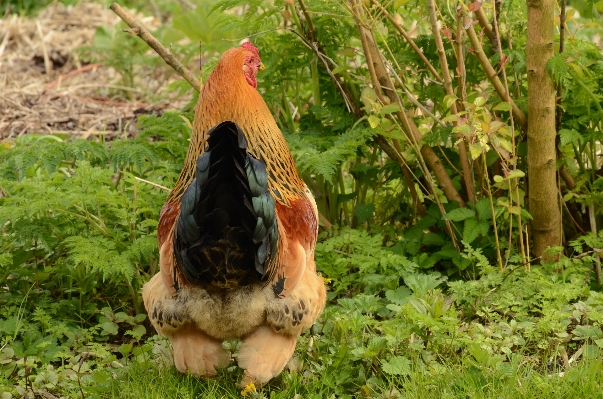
[484,23]
[408,39]
[311,29]
[383,82]
[396,156]
[494,79]
[467,174]
[563,173]
[514,181]
[382,142]
[168,57]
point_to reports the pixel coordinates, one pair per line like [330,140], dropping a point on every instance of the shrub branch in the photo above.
[168,57]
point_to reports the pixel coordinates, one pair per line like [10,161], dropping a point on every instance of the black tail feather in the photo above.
[226,233]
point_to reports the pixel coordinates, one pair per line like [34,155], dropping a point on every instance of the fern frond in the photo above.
[98,254]
[558,69]
[127,153]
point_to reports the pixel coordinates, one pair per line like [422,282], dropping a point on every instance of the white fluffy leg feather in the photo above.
[197,353]
[264,354]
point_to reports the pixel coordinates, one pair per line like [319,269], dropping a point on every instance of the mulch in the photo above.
[46,89]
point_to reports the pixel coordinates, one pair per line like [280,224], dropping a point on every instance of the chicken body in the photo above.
[236,236]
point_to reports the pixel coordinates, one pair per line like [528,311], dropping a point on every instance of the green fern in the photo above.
[99,254]
[558,69]
[126,154]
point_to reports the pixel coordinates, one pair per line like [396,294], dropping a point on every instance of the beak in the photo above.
[261,67]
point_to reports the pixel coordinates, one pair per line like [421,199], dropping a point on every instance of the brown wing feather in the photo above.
[298,228]
[171,276]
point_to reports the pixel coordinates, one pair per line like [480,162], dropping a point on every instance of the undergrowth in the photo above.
[79,239]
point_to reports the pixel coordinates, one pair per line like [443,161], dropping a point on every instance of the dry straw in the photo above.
[45,88]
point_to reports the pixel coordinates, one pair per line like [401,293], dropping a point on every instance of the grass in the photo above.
[453,381]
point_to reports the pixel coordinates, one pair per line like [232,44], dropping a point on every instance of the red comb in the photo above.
[249,46]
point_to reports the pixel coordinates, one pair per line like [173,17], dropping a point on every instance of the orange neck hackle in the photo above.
[229,94]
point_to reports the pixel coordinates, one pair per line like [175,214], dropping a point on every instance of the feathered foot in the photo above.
[263,355]
[197,353]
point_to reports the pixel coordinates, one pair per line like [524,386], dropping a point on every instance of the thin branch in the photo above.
[489,191]
[395,155]
[570,214]
[152,184]
[493,77]
[383,81]
[351,105]
[409,40]
[495,24]
[527,263]
[311,29]
[168,57]
[563,173]
[462,145]
[484,23]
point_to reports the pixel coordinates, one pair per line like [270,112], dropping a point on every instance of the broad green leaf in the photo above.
[503,106]
[432,239]
[476,150]
[504,131]
[368,93]
[449,99]
[516,173]
[125,349]
[591,352]
[399,295]
[6,259]
[373,121]
[110,327]
[451,118]
[569,196]
[483,227]
[516,210]
[385,123]
[470,232]
[464,128]
[397,365]
[577,69]
[364,212]
[138,331]
[459,214]
[484,212]
[506,144]
[389,109]
[338,69]
[347,52]
[421,284]
[479,101]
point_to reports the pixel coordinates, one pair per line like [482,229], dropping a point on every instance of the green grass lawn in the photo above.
[581,381]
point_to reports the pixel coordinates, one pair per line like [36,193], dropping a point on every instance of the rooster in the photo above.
[236,236]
